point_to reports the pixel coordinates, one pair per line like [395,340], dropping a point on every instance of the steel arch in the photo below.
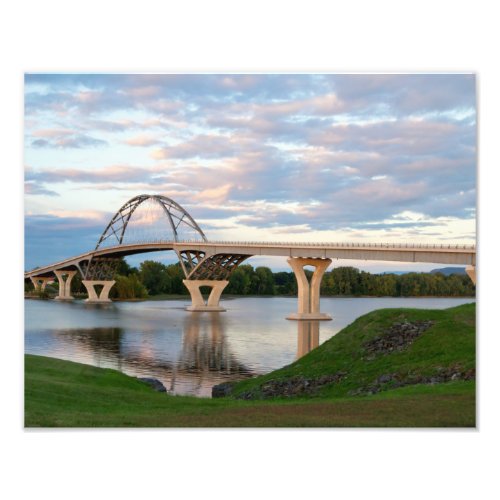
[175,213]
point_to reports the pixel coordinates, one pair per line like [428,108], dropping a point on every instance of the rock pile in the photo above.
[397,338]
[294,386]
[395,380]
[222,390]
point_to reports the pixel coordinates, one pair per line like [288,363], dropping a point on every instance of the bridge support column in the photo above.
[308,293]
[103,296]
[40,282]
[471,272]
[197,301]
[64,284]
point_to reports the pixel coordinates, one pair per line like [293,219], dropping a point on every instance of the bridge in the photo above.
[210,263]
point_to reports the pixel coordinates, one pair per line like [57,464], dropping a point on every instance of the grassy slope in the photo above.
[449,342]
[64,394]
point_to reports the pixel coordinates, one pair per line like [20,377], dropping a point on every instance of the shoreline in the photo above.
[231,297]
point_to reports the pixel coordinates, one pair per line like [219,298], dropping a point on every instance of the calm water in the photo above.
[191,352]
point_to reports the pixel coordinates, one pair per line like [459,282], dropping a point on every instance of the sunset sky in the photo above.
[277,157]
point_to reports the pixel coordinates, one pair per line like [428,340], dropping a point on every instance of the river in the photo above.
[190,352]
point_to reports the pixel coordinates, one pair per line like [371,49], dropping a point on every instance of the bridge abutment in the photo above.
[102,297]
[197,301]
[64,284]
[308,293]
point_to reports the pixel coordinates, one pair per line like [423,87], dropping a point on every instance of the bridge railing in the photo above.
[342,244]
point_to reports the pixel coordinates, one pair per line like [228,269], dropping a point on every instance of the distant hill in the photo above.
[395,272]
[449,270]
[443,270]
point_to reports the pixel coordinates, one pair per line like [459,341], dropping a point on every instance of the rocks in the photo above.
[154,383]
[395,380]
[222,390]
[397,338]
[294,386]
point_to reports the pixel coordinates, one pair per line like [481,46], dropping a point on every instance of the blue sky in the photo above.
[279,157]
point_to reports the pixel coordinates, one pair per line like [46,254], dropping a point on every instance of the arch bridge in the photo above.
[210,263]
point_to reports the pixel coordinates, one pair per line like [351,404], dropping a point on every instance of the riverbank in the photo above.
[434,372]
[173,296]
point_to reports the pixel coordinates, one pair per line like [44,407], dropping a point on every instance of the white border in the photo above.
[225,36]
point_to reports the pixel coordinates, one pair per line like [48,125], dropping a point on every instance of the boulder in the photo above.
[153,383]
[222,390]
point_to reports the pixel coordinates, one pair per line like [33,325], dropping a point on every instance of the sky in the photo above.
[263,157]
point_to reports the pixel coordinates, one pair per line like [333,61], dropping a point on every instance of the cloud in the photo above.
[142,141]
[203,146]
[32,188]
[66,140]
[215,195]
[112,173]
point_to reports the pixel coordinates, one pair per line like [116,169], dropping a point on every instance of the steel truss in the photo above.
[100,268]
[217,267]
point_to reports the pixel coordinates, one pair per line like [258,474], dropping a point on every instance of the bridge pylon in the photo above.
[64,284]
[94,296]
[198,303]
[308,293]
[40,282]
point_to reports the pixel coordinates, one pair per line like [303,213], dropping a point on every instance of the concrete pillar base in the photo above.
[205,308]
[308,293]
[65,299]
[198,303]
[102,298]
[310,316]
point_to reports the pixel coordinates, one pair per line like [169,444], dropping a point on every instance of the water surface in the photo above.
[188,351]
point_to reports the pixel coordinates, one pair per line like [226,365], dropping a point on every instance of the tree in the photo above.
[128,287]
[265,281]
[176,275]
[154,277]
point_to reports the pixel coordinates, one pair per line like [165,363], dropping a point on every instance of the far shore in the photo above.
[232,297]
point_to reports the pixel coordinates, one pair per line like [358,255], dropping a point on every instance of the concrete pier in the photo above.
[40,282]
[103,297]
[64,278]
[471,272]
[197,301]
[308,293]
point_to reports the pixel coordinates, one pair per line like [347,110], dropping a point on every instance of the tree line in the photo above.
[153,278]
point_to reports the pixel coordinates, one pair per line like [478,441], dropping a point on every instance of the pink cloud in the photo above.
[142,140]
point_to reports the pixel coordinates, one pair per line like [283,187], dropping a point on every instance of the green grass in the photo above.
[65,394]
[449,342]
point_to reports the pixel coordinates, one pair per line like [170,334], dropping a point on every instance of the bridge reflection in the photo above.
[307,337]
[201,359]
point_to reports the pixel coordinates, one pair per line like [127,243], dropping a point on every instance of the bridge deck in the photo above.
[439,254]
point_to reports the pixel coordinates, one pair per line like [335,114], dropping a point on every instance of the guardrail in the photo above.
[303,244]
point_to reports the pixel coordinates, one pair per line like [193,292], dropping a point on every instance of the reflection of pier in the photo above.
[205,351]
[307,337]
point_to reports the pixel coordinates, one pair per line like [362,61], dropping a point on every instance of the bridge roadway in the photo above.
[438,254]
[208,263]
